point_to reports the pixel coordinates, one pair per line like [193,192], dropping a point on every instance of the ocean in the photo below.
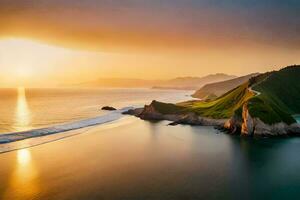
[128,158]
[26,109]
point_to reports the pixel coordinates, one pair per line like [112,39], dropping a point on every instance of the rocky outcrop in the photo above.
[194,119]
[233,125]
[250,126]
[134,112]
[294,129]
[149,112]
[190,118]
[262,129]
[109,108]
[244,125]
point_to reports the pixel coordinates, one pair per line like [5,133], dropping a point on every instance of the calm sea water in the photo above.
[135,159]
[25,109]
[297,118]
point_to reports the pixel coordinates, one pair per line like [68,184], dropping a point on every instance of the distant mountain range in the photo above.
[119,83]
[192,83]
[180,83]
[213,90]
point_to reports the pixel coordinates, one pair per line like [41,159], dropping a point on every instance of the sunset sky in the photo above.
[59,42]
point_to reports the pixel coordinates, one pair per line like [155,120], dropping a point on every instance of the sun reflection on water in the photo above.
[22,116]
[24,157]
[23,182]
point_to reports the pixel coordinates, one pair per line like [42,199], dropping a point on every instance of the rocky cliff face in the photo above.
[233,125]
[247,127]
[250,126]
[193,119]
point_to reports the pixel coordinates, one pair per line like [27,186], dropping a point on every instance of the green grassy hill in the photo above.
[280,96]
[220,108]
[273,97]
[224,106]
[217,89]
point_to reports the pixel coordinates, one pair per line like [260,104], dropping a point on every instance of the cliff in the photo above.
[253,126]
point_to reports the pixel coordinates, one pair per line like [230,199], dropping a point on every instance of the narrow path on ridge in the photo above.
[254,91]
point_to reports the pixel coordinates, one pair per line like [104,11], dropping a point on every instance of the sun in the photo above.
[34,63]
[23,72]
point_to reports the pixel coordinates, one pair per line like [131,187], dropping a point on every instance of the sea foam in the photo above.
[17,136]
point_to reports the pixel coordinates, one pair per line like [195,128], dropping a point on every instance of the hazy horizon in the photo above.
[111,82]
[51,43]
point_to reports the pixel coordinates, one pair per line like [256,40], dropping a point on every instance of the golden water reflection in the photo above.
[23,181]
[24,157]
[22,116]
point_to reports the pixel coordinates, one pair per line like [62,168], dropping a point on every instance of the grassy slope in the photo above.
[280,96]
[224,106]
[221,108]
[278,101]
[168,108]
[219,88]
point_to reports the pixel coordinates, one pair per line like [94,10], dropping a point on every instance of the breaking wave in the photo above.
[17,136]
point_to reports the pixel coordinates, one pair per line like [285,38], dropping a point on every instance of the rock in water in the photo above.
[109,108]
[173,124]
[135,112]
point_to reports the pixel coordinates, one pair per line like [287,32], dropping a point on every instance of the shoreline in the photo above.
[19,136]
[37,141]
[74,126]
[247,126]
